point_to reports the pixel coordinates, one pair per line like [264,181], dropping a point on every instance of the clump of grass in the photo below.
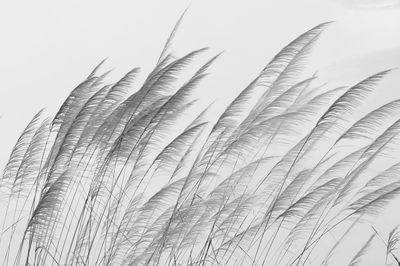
[112,180]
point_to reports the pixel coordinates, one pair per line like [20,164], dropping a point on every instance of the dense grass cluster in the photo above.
[123,179]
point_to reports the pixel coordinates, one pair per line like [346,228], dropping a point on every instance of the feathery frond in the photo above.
[125,176]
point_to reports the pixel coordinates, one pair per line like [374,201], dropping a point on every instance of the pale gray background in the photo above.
[48,47]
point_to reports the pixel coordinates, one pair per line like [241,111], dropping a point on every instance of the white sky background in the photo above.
[48,47]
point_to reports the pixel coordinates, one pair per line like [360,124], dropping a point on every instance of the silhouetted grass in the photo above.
[117,178]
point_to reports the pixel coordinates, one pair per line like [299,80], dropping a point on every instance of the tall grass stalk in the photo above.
[123,178]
